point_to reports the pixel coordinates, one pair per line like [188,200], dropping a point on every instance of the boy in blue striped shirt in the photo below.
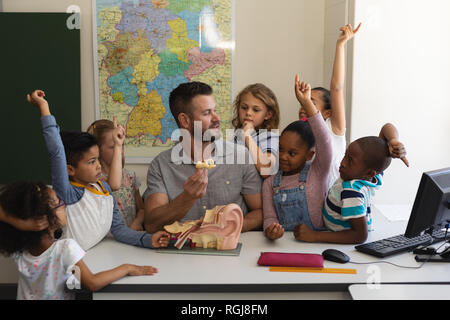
[347,207]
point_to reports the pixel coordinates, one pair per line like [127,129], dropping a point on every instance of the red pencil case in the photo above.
[281,259]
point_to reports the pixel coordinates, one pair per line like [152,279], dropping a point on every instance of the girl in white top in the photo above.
[331,102]
[46,264]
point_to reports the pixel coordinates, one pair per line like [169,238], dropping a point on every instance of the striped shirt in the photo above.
[349,200]
[266,140]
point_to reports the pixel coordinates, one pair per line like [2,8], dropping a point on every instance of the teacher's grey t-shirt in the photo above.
[235,175]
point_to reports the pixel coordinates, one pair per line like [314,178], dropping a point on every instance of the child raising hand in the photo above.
[295,194]
[91,208]
[110,137]
[331,103]
[347,208]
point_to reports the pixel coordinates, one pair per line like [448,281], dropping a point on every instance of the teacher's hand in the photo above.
[196,185]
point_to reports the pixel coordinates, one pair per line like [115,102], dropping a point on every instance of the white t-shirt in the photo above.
[95,209]
[338,145]
[44,277]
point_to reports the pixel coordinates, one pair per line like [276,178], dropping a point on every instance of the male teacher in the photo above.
[176,190]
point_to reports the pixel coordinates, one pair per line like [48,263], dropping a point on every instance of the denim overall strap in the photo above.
[304,173]
[301,177]
[277,179]
[290,204]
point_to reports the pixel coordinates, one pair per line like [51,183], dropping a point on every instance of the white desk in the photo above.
[183,276]
[400,292]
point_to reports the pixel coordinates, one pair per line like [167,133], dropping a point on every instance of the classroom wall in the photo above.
[274,41]
[401,74]
[337,14]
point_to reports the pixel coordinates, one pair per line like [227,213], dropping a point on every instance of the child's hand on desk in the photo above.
[160,239]
[141,270]
[304,233]
[398,150]
[274,231]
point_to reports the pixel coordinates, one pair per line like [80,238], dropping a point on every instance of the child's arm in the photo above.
[264,161]
[303,94]
[322,161]
[95,282]
[357,234]
[138,222]
[115,171]
[338,80]
[396,149]
[32,224]
[271,226]
[254,217]
[55,148]
[123,233]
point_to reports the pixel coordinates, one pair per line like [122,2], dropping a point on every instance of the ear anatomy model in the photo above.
[207,164]
[220,228]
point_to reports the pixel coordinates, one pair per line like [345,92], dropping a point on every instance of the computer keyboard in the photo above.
[397,244]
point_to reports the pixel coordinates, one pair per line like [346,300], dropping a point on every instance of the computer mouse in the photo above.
[335,256]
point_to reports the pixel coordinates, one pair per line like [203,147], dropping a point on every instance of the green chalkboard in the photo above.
[37,51]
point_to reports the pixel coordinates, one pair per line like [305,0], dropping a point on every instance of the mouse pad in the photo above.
[202,251]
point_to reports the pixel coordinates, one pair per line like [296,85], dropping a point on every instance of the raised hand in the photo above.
[302,90]
[118,133]
[37,98]
[347,33]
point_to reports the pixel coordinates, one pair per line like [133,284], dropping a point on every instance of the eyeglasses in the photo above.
[61,203]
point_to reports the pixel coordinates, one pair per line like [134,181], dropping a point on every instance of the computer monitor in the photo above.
[431,207]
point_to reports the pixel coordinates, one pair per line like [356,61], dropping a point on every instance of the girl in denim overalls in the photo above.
[293,198]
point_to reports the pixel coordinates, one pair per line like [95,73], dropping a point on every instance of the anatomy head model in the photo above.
[220,228]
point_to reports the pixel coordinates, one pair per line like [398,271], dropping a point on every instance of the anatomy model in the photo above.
[219,228]
[207,164]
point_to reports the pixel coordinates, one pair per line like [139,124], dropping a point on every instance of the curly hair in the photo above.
[267,96]
[25,200]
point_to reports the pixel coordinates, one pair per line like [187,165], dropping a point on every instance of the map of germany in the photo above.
[146,48]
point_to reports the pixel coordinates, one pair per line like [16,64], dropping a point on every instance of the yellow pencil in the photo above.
[314,270]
